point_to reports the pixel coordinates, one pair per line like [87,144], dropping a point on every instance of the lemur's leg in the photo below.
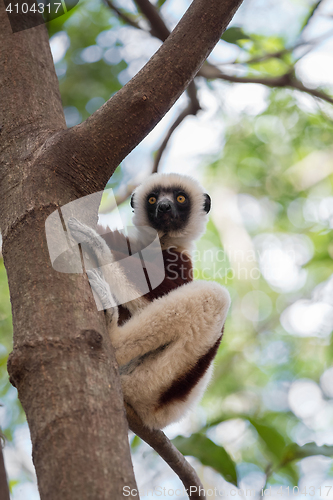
[165,352]
[189,318]
[102,289]
[122,289]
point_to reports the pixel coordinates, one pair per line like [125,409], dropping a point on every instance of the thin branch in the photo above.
[163,446]
[192,109]
[158,26]
[298,85]
[118,200]
[176,123]
[279,53]
[312,43]
[122,15]
[286,80]
[312,12]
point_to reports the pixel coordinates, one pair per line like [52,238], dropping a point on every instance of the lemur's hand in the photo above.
[88,237]
[101,288]
[80,232]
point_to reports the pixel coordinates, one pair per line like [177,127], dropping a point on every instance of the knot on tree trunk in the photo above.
[93,338]
[15,367]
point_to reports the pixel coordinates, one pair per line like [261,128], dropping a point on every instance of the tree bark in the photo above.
[4,490]
[62,361]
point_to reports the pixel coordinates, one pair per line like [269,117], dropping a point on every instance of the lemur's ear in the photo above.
[132,200]
[207,203]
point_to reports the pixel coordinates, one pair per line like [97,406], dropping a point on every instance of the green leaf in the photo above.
[233,35]
[295,452]
[202,448]
[274,441]
[135,442]
[12,484]
[291,471]
[56,24]
[160,3]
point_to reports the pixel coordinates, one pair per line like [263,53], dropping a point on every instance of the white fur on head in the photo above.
[198,218]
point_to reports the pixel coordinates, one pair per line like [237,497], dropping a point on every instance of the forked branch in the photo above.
[99,144]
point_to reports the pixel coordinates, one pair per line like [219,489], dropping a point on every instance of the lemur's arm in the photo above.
[122,289]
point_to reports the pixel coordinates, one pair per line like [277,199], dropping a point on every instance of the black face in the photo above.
[168,210]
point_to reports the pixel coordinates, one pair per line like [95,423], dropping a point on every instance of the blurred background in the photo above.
[256,129]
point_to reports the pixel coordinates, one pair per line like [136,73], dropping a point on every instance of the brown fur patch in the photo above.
[124,315]
[181,387]
[178,269]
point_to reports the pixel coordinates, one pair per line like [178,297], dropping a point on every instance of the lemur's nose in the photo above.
[164,206]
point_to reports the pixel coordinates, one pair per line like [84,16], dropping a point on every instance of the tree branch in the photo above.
[122,15]
[286,80]
[278,54]
[192,109]
[158,26]
[163,446]
[298,85]
[98,145]
[310,15]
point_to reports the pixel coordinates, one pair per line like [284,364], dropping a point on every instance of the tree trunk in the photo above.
[4,490]
[62,362]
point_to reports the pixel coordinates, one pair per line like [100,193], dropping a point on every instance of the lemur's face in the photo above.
[168,209]
[172,204]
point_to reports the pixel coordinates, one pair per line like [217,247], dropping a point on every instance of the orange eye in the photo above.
[152,200]
[181,198]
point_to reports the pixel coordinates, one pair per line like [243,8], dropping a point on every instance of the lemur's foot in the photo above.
[101,288]
[79,231]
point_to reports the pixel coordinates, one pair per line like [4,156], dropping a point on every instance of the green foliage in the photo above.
[81,81]
[208,453]
[234,35]
[273,439]
[135,442]
[8,395]
[295,452]
[57,24]
[259,359]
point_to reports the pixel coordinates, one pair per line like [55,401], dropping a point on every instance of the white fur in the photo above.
[198,218]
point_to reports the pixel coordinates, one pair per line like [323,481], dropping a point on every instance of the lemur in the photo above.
[165,341]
